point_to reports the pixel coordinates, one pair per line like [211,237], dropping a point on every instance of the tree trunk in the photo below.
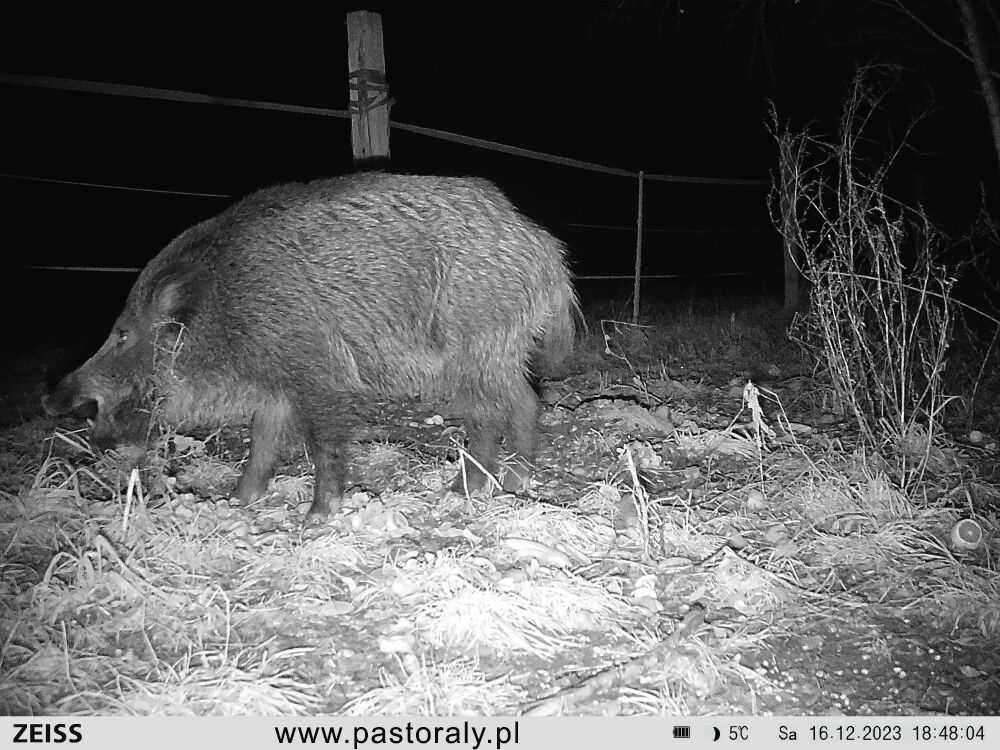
[978,51]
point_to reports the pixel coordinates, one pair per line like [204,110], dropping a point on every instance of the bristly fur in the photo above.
[293,303]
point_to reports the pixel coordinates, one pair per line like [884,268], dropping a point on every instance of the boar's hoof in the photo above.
[470,480]
[326,501]
[516,477]
[249,489]
[316,514]
[320,511]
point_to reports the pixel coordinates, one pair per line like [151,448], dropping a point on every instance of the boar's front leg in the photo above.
[268,431]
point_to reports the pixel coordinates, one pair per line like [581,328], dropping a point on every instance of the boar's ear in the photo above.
[178,291]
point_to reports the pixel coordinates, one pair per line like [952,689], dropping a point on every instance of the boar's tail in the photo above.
[559,332]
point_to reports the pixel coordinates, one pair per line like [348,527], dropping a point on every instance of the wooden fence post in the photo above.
[369,88]
[638,254]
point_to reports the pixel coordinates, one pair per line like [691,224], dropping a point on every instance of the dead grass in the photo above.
[688,529]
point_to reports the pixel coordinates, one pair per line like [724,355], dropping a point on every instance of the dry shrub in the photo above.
[881,311]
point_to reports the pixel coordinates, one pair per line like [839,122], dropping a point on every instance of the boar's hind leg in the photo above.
[483,430]
[511,405]
[522,431]
[270,424]
[327,424]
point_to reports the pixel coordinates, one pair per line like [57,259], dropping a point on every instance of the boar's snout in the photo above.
[114,418]
[68,398]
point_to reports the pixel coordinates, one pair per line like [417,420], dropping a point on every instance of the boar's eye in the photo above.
[121,336]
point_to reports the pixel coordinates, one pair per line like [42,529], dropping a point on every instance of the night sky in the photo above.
[668,87]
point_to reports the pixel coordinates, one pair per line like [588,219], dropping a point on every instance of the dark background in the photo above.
[668,87]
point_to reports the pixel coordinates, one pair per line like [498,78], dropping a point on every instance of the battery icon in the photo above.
[682,732]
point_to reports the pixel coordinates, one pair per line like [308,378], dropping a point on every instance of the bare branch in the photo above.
[993,14]
[977,48]
[898,5]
